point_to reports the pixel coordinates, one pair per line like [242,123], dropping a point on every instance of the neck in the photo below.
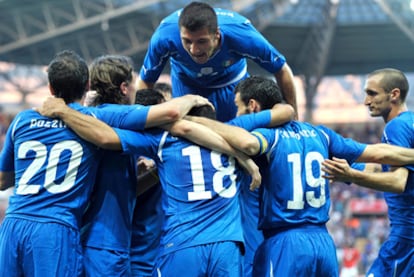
[395,112]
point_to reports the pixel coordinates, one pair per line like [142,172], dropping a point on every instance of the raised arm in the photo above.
[286,82]
[339,170]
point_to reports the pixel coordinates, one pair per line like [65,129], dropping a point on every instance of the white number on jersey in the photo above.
[298,201]
[41,156]
[199,187]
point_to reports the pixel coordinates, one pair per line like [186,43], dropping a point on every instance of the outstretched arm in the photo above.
[281,114]
[339,170]
[387,154]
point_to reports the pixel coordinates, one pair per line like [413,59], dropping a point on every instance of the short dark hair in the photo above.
[197,15]
[148,96]
[68,75]
[204,111]
[265,91]
[393,78]
[108,72]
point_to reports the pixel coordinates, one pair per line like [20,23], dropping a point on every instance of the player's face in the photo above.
[200,44]
[241,107]
[377,99]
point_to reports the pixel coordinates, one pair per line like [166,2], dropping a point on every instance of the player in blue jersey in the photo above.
[107,223]
[294,195]
[53,172]
[249,119]
[148,217]
[386,93]
[207,49]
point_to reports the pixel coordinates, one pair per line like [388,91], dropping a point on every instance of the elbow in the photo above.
[174,115]
[250,147]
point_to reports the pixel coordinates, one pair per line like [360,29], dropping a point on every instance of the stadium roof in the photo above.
[331,37]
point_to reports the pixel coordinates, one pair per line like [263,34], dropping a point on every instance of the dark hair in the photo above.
[68,76]
[163,87]
[392,78]
[108,72]
[204,111]
[265,91]
[197,15]
[149,96]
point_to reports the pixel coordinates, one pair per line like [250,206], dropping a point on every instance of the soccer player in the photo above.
[386,93]
[53,172]
[207,49]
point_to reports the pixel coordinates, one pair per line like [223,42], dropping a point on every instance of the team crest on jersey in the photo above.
[206,70]
[227,63]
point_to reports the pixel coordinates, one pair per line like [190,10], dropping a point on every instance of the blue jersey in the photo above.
[216,78]
[294,192]
[146,231]
[54,169]
[107,222]
[200,191]
[249,200]
[396,256]
[400,131]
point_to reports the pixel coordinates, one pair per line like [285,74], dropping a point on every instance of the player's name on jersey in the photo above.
[299,134]
[47,123]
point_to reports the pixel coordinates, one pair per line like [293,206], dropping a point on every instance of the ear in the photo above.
[124,88]
[253,106]
[395,94]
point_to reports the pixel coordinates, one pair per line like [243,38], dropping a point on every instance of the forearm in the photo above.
[237,137]
[281,114]
[200,135]
[90,129]
[387,154]
[286,82]
[383,181]
[173,109]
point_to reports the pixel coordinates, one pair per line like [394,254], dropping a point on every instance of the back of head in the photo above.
[204,111]
[198,15]
[107,73]
[165,89]
[261,89]
[392,78]
[148,96]
[68,76]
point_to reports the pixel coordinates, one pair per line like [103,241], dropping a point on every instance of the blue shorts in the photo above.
[31,248]
[103,262]
[395,258]
[222,98]
[306,251]
[221,259]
